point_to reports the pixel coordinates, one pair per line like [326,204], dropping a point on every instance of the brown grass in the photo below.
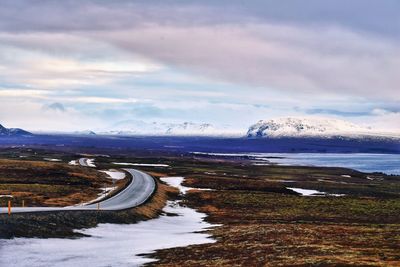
[158,201]
[63,223]
[291,244]
[48,183]
[248,238]
[263,224]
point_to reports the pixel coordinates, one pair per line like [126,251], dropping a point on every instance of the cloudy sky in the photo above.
[75,65]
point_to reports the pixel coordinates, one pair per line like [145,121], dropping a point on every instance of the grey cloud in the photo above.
[146,111]
[342,113]
[55,107]
[307,46]
[376,16]
[274,56]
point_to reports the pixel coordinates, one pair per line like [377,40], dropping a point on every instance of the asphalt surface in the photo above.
[136,193]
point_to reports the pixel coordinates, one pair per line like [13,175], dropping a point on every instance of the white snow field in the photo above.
[114,174]
[111,244]
[90,163]
[313,126]
[310,192]
[53,160]
[85,162]
[73,163]
[176,182]
[141,128]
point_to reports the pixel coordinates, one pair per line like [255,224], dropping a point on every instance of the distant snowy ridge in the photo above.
[13,132]
[296,127]
[86,132]
[312,127]
[169,129]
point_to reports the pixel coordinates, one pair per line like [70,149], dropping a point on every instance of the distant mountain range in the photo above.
[292,127]
[296,127]
[87,132]
[312,127]
[133,127]
[13,132]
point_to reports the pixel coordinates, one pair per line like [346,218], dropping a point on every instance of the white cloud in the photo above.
[31,116]
[31,93]
[286,58]
[389,122]
[45,70]
[102,100]
[213,65]
[381,112]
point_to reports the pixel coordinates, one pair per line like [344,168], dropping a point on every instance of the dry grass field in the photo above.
[265,224]
[41,183]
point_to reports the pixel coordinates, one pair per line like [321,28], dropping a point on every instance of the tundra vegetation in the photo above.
[356,221]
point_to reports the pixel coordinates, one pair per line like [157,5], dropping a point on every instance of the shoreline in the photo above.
[262,221]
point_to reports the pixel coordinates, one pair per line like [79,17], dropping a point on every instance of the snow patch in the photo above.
[114,174]
[177,182]
[53,160]
[113,244]
[105,192]
[310,192]
[261,164]
[90,163]
[86,162]
[73,163]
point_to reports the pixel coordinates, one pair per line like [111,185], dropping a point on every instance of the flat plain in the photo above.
[354,220]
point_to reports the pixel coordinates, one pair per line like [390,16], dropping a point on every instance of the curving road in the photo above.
[136,193]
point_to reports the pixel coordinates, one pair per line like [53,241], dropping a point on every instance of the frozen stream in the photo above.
[111,244]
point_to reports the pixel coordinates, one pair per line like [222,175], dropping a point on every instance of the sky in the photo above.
[89,64]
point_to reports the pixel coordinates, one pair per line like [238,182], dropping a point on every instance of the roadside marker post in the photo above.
[9,207]
[23,203]
[98,206]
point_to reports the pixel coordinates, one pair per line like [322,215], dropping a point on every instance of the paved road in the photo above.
[136,193]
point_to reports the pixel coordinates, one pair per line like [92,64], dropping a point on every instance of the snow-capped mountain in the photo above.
[132,127]
[310,127]
[86,132]
[12,131]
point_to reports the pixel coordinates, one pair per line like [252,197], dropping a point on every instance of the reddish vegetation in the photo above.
[265,225]
[40,183]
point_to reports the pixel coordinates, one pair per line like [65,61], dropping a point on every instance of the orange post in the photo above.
[9,207]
